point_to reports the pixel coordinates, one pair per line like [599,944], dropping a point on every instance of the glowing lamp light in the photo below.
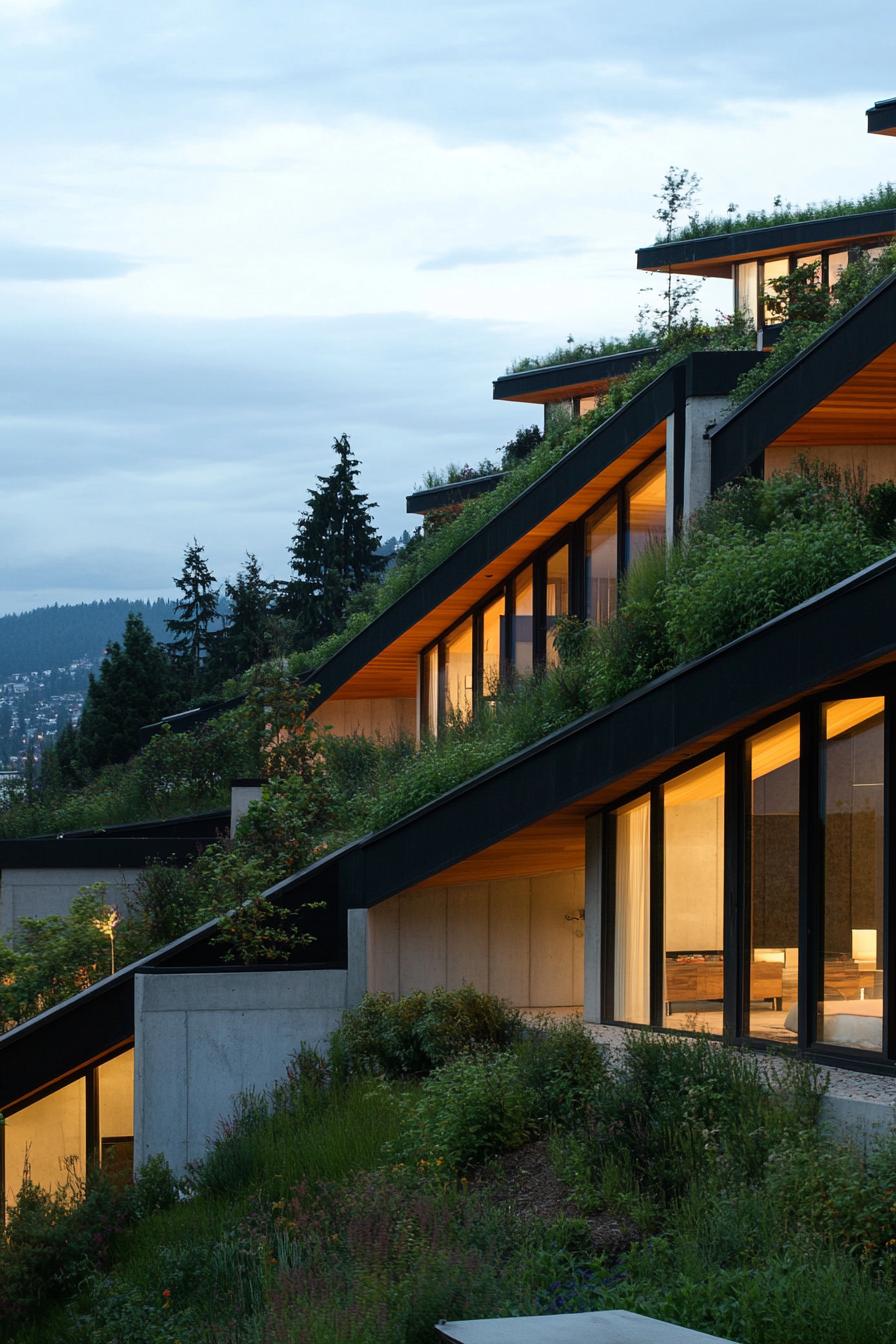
[864,945]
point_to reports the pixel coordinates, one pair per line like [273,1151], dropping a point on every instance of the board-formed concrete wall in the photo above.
[202,1038]
[519,938]
[34,893]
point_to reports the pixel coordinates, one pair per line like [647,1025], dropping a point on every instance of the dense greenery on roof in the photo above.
[882,197]
[573,350]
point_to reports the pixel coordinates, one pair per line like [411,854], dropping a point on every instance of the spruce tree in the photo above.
[333,552]
[132,689]
[194,616]
[247,637]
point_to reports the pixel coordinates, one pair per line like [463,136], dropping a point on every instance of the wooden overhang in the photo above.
[716,255]
[840,391]
[563,382]
[882,117]
[381,661]
[524,815]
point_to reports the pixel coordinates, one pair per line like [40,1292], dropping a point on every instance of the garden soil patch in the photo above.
[525,1180]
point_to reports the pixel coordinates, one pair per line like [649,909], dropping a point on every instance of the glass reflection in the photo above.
[631,934]
[556,599]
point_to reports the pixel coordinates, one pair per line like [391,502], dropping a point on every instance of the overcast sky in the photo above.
[232,231]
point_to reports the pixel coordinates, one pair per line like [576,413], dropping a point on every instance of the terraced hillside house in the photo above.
[715,851]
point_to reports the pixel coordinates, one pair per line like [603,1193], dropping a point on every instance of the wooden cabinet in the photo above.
[702,981]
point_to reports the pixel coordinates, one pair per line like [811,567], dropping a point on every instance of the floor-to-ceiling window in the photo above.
[115,1108]
[631,917]
[693,896]
[429,705]
[556,599]
[457,672]
[601,563]
[493,618]
[850,1009]
[522,654]
[646,508]
[47,1141]
[772,769]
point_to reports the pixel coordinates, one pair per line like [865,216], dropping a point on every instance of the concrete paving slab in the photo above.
[580,1327]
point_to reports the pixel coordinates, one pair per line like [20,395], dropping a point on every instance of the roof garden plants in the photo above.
[881,197]
[572,350]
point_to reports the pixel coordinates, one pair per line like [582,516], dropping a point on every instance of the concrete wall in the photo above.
[35,893]
[510,937]
[387,717]
[877,461]
[200,1039]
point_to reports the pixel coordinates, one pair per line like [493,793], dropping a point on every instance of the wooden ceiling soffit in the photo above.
[393,672]
[861,411]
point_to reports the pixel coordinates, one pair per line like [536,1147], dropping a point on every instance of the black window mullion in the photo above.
[608,921]
[736,970]
[889,923]
[657,939]
[477,661]
[811,895]
[92,1120]
[539,608]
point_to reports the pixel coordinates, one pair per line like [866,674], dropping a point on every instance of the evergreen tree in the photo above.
[248,636]
[132,689]
[333,552]
[194,616]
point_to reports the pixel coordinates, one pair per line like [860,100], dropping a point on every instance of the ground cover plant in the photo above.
[881,197]
[512,1170]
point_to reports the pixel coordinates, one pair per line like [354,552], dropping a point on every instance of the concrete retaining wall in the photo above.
[34,893]
[202,1038]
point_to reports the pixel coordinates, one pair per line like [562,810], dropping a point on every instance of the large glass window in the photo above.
[851,1008]
[556,598]
[773,849]
[47,1140]
[746,290]
[457,672]
[631,935]
[430,703]
[646,508]
[601,562]
[693,886]
[492,646]
[115,1094]
[523,647]
[837,264]
[773,269]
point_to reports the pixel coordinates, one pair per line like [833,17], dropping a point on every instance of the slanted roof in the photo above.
[382,659]
[454,492]
[126,845]
[882,117]
[716,255]
[525,814]
[841,390]
[562,382]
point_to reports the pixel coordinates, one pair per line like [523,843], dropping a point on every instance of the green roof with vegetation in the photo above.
[572,351]
[882,197]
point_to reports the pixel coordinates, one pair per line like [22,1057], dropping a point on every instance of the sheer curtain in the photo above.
[631,984]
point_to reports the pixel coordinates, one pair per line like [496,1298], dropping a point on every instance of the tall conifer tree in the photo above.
[132,689]
[194,617]
[333,552]
[247,637]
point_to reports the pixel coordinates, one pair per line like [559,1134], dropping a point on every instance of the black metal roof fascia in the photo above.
[192,824]
[679,708]
[455,492]
[99,852]
[774,237]
[882,116]
[187,719]
[837,355]
[706,373]
[577,373]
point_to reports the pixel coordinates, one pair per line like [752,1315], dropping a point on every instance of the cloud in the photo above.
[505,254]
[27,262]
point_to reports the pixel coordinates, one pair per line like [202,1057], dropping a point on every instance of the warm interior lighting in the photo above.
[864,946]
[703,782]
[774,748]
[841,715]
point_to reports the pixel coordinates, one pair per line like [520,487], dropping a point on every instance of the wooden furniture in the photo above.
[701,981]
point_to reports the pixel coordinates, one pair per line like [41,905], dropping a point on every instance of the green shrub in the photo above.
[467,1111]
[563,1069]
[410,1036]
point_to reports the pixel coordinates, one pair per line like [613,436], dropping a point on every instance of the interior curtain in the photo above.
[632,941]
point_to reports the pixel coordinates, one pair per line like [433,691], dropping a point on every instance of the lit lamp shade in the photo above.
[864,945]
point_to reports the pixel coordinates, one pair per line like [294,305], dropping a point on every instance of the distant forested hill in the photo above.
[54,636]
